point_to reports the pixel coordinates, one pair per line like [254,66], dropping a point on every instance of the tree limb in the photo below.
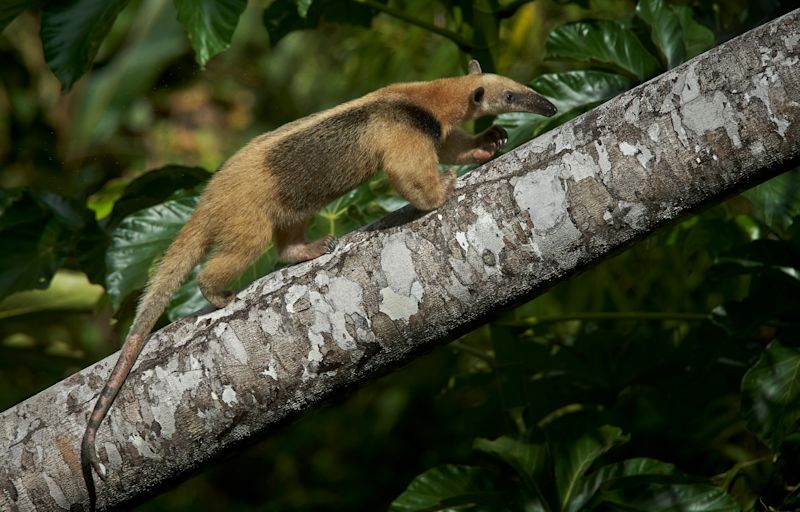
[205,385]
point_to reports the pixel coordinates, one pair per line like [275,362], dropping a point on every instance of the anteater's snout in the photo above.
[541,105]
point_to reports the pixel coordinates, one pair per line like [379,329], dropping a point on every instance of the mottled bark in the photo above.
[720,123]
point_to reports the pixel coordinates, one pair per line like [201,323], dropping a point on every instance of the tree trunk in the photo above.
[720,123]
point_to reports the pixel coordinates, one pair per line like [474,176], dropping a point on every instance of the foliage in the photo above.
[634,484]
[543,385]
[625,388]
[619,57]
[210,24]
[671,373]
[72,33]
[41,228]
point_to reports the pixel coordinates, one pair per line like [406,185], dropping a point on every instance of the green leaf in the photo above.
[72,31]
[30,256]
[10,9]
[771,394]
[666,31]
[452,487]
[210,24]
[285,16]
[139,239]
[605,43]
[529,460]
[154,187]
[666,494]
[589,485]
[68,291]
[38,232]
[572,460]
[696,37]
[569,90]
[90,250]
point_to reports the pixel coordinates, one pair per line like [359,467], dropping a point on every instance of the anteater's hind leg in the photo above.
[237,247]
[293,247]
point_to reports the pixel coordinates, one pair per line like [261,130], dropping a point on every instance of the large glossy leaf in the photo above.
[210,24]
[155,187]
[569,90]
[771,394]
[655,493]
[10,9]
[72,31]
[530,460]
[665,30]
[572,460]
[453,487]
[603,42]
[588,486]
[139,239]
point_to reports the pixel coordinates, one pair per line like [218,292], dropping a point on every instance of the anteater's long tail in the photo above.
[189,247]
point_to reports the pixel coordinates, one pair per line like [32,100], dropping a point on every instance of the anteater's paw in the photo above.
[494,138]
[489,142]
[317,248]
[213,294]
[329,242]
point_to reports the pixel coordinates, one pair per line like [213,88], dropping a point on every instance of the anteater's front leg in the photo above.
[462,148]
[413,170]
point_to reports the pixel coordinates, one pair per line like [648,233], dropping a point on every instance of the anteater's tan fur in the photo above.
[270,188]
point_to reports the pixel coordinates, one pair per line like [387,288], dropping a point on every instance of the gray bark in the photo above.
[720,123]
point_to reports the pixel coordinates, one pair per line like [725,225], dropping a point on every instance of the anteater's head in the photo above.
[494,94]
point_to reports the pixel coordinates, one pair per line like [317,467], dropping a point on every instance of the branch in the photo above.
[206,385]
[462,43]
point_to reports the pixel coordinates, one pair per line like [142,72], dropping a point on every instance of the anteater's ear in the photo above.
[474,67]
[477,95]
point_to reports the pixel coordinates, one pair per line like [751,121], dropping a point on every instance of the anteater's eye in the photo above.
[509,97]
